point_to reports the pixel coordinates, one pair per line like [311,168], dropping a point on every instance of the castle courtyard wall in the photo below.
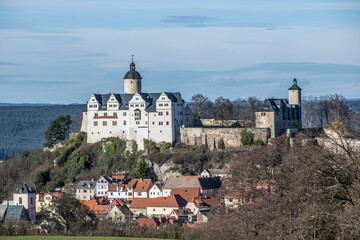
[210,136]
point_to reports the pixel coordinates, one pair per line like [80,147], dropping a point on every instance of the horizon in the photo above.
[60,52]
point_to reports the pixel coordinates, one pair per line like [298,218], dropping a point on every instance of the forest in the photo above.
[23,127]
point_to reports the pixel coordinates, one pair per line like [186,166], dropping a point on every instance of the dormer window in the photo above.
[112,99]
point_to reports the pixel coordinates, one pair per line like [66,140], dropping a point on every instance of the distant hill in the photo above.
[22,127]
[26,104]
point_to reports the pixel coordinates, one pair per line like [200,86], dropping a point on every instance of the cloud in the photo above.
[54,39]
[74,54]
[190,21]
[6,63]
[20,80]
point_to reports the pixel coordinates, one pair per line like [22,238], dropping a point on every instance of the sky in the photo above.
[62,51]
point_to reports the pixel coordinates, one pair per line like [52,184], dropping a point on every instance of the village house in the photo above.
[155,191]
[202,204]
[119,212]
[85,190]
[142,188]
[207,186]
[183,216]
[102,186]
[117,191]
[45,201]
[210,173]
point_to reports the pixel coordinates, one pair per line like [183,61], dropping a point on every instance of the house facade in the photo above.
[134,115]
[85,190]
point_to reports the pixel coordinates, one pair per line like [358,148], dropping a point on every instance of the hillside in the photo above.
[23,127]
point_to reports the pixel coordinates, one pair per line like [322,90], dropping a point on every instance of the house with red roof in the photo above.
[155,191]
[148,222]
[183,216]
[142,188]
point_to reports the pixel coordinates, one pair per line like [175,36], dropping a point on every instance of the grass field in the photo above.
[70,238]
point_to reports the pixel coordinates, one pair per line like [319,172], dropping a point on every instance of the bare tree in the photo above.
[202,105]
[223,109]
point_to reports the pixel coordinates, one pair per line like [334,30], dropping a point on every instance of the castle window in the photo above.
[161,123]
[136,105]
[112,99]
[115,105]
[20,200]
[95,123]
[105,114]
[160,104]
[96,114]
[263,114]
[167,123]
[137,114]
[110,105]
[137,98]
[163,98]
[115,114]
[104,123]
[131,105]
[153,123]
[114,123]
[142,105]
[166,104]
[92,99]
[167,113]
[124,114]
[137,122]
[160,113]
[124,122]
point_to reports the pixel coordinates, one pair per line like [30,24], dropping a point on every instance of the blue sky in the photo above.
[61,51]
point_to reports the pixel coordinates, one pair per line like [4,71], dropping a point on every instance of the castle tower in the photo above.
[132,80]
[25,196]
[295,93]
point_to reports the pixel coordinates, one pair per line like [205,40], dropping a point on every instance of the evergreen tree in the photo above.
[141,169]
[58,130]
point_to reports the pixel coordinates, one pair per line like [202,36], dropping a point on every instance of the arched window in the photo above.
[20,200]
[137,114]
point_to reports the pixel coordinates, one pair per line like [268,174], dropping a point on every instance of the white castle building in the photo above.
[135,115]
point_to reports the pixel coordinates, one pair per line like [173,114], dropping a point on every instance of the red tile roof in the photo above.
[172,201]
[187,193]
[143,185]
[118,177]
[149,222]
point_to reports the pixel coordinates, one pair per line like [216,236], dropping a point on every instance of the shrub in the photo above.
[134,147]
[221,144]
[259,142]
[165,146]
[247,138]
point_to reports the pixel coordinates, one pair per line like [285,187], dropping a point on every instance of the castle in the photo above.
[281,115]
[135,115]
[164,117]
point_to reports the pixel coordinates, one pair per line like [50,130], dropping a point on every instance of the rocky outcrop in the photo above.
[166,170]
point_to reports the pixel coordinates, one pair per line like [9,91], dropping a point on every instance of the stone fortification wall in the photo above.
[227,123]
[210,136]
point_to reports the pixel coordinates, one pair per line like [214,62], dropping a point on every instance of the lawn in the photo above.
[71,238]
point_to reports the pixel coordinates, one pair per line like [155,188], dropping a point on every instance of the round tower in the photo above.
[295,93]
[132,80]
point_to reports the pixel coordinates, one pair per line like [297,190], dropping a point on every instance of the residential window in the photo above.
[153,209]
[96,114]
[110,105]
[161,123]
[160,113]
[167,113]
[160,104]
[115,105]
[114,123]
[142,105]
[124,114]
[20,200]
[85,190]
[136,105]
[105,114]
[163,98]
[137,122]
[115,114]
[263,114]
[139,193]
[166,104]
[124,122]
[104,123]
[112,99]
[131,105]
[167,123]
[95,123]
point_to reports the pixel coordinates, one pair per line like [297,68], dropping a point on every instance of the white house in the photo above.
[117,191]
[102,186]
[155,191]
[135,115]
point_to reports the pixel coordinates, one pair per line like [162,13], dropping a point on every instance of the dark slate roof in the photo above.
[123,99]
[16,213]
[210,183]
[133,74]
[294,86]
[86,185]
[273,105]
[24,189]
